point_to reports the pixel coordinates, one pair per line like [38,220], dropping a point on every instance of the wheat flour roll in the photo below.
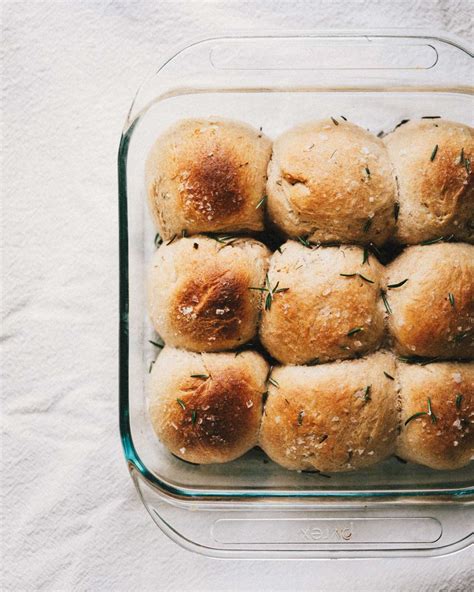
[333,417]
[207,175]
[432,163]
[437,414]
[331,181]
[199,292]
[206,408]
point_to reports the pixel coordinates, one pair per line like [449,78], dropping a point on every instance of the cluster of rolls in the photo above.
[313,350]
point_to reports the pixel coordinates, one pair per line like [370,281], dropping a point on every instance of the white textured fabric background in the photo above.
[72,520]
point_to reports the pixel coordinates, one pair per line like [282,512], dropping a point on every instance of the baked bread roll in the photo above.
[199,295]
[207,175]
[431,296]
[331,183]
[437,414]
[206,408]
[333,417]
[432,163]
[330,307]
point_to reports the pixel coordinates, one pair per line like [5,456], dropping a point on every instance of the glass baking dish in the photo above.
[252,507]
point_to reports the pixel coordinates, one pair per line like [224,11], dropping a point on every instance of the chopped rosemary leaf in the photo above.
[264,397]
[342,117]
[150,366]
[396,210]
[423,361]
[335,121]
[366,279]
[348,274]
[467,164]
[367,225]
[181,403]
[261,202]
[158,240]
[388,375]
[438,239]
[402,122]
[354,331]
[392,286]
[367,396]
[313,362]
[381,134]
[172,239]
[300,417]
[431,117]
[184,233]
[433,154]
[402,460]
[367,170]
[386,302]
[451,299]
[193,416]
[304,242]
[274,382]
[459,399]
[415,416]
[156,344]
[365,257]
[461,157]
[433,417]
[201,376]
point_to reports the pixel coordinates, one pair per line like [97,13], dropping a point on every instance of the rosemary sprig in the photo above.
[438,239]
[451,299]
[433,417]
[367,225]
[434,153]
[181,403]
[386,303]
[261,202]
[389,376]
[271,291]
[362,277]
[201,376]
[415,416]
[398,285]
[459,399]
[354,331]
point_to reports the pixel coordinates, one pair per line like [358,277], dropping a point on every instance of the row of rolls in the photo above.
[340,416]
[312,305]
[328,180]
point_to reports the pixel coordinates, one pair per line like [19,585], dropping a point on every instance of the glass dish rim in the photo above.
[132,457]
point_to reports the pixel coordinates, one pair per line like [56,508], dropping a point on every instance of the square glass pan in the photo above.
[276,83]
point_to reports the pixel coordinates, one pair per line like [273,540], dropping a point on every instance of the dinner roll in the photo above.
[437,413]
[199,294]
[333,417]
[431,297]
[326,304]
[207,175]
[206,408]
[432,162]
[331,181]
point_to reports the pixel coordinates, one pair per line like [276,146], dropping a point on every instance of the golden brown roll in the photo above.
[207,175]
[437,413]
[432,162]
[199,295]
[331,180]
[333,417]
[329,307]
[206,408]
[431,296]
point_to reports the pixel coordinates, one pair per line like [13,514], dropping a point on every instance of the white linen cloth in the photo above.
[71,518]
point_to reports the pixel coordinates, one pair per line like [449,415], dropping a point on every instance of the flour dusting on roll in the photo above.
[207,175]
[206,408]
